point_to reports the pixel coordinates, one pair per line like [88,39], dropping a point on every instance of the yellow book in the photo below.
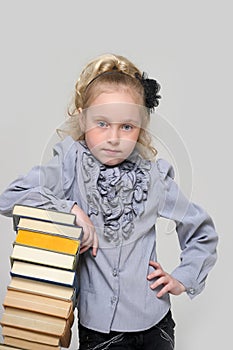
[47,241]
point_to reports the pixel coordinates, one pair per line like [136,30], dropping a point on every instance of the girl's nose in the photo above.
[114,135]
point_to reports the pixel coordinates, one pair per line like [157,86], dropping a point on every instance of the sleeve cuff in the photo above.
[192,288]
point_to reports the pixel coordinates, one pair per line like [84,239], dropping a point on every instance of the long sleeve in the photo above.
[196,232]
[44,186]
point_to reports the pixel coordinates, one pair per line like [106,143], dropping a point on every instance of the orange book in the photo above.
[47,241]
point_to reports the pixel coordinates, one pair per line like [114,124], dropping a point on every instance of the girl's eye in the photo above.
[102,124]
[127,127]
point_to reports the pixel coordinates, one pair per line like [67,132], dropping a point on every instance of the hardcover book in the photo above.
[41,240]
[33,321]
[43,273]
[72,231]
[8,347]
[20,210]
[42,288]
[30,336]
[38,303]
[28,345]
[44,257]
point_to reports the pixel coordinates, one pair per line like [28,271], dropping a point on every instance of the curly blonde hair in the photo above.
[94,80]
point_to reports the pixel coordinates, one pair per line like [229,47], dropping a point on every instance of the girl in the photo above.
[104,173]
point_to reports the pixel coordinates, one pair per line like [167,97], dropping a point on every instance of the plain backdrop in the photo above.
[187,47]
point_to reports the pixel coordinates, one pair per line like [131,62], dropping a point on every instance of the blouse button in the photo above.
[192,291]
[113,299]
[114,272]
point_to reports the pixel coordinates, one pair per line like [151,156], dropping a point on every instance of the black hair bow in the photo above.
[151,89]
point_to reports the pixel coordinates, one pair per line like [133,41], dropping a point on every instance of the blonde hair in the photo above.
[93,80]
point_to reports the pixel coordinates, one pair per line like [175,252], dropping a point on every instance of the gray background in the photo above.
[186,45]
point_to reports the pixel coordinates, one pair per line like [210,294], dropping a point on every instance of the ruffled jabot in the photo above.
[117,194]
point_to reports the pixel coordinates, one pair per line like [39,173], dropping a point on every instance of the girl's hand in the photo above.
[90,238]
[169,283]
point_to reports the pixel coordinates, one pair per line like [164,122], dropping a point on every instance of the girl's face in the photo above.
[112,126]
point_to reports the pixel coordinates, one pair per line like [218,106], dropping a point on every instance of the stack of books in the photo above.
[42,293]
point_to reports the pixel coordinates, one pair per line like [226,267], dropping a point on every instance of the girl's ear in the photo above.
[81,120]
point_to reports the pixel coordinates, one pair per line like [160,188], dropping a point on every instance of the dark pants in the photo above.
[159,337]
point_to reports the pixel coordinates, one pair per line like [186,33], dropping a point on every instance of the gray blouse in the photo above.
[123,203]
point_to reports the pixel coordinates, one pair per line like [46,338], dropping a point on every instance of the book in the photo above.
[38,303]
[31,336]
[42,273]
[43,288]
[8,347]
[21,210]
[72,231]
[33,321]
[37,337]
[65,338]
[41,240]
[28,345]
[44,257]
